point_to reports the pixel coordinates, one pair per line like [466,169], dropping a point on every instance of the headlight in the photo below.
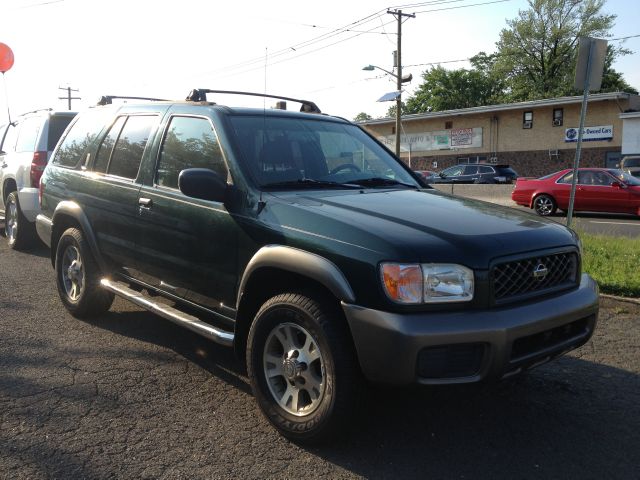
[427,283]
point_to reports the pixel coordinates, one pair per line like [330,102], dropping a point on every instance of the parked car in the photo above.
[597,190]
[428,175]
[303,243]
[476,173]
[25,147]
[631,165]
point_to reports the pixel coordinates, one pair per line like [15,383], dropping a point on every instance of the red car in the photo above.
[597,190]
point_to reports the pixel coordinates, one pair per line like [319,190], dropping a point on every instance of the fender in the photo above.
[71,209]
[300,262]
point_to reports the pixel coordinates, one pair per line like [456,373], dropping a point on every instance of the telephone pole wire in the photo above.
[398,14]
[69,97]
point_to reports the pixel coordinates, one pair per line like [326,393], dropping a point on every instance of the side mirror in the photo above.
[202,183]
[618,185]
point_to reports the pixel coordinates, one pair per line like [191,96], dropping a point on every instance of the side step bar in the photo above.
[172,314]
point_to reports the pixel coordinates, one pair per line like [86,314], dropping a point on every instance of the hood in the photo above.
[413,226]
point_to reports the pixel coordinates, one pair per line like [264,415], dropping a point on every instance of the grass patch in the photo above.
[614,262]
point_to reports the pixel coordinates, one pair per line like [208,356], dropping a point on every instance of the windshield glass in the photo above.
[299,152]
[625,177]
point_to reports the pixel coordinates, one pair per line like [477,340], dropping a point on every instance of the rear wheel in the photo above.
[78,277]
[302,367]
[20,232]
[545,205]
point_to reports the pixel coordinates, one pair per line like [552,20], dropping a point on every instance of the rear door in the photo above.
[186,246]
[111,198]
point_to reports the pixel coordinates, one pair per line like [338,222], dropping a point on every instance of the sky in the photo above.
[296,49]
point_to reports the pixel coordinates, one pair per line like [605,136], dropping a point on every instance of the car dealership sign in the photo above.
[589,134]
[438,140]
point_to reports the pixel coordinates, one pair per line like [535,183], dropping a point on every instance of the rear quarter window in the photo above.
[28,135]
[79,137]
[57,124]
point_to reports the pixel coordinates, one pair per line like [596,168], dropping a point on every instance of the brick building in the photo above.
[535,137]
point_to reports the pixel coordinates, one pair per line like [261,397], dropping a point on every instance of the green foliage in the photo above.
[538,49]
[535,58]
[362,116]
[613,264]
[451,89]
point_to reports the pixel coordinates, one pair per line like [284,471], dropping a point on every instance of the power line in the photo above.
[328,36]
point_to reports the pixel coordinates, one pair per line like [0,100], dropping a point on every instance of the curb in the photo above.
[621,299]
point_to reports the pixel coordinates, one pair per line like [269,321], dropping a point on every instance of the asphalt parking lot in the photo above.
[130,395]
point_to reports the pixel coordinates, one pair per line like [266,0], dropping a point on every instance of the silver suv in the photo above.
[25,147]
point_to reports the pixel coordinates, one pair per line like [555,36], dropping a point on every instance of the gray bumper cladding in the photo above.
[470,346]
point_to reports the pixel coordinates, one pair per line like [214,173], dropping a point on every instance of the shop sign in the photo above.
[589,134]
[438,140]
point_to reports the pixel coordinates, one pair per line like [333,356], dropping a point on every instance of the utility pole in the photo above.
[398,14]
[69,97]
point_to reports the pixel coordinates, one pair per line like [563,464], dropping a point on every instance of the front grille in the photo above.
[451,361]
[542,274]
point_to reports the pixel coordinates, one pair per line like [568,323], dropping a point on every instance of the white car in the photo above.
[25,147]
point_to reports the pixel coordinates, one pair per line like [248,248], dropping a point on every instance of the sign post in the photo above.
[591,55]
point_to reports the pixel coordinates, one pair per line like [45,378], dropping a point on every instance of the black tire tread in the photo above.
[95,300]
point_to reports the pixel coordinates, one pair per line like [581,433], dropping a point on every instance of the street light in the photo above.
[397,96]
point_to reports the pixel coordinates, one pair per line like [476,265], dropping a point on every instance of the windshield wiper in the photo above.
[381,181]
[309,183]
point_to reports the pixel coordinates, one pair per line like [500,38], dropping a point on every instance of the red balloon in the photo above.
[6,58]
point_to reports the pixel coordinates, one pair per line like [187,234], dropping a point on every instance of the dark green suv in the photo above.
[303,243]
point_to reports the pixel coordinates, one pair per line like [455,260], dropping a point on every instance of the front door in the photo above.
[187,246]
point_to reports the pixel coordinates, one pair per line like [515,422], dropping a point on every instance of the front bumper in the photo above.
[470,346]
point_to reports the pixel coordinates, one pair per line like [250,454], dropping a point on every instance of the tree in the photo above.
[612,81]
[362,116]
[537,51]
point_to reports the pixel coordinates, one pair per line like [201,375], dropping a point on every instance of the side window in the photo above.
[128,150]
[470,170]
[10,139]
[106,147]
[28,134]
[189,142]
[78,138]
[568,178]
[484,169]
[454,171]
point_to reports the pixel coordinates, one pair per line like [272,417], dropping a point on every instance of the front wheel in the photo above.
[302,366]
[544,205]
[78,277]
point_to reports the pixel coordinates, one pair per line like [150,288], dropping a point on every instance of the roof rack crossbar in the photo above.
[108,99]
[200,95]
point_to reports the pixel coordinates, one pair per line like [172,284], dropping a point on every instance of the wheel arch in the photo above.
[69,214]
[277,269]
[542,192]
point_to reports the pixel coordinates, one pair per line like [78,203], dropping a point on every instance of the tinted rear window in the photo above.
[506,171]
[57,124]
[632,162]
[72,148]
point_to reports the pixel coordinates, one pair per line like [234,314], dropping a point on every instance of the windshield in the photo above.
[298,152]
[625,177]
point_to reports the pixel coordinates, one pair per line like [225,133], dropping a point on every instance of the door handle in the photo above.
[145,202]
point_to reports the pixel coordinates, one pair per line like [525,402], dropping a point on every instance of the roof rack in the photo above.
[36,111]
[108,99]
[200,95]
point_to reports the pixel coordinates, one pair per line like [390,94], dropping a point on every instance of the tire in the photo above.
[545,205]
[78,277]
[20,232]
[302,367]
